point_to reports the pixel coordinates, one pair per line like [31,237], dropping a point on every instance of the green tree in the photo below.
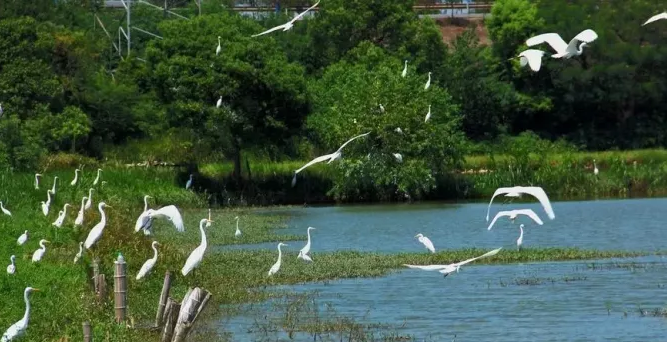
[511,23]
[72,123]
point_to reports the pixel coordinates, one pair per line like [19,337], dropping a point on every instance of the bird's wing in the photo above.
[270,30]
[172,213]
[347,142]
[530,213]
[499,215]
[585,36]
[315,161]
[487,254]
[429,245]
[141,221]
[426,267]
[553,39]
[498,191]
[541,196]
[534,58]
[662,15]
[304,12]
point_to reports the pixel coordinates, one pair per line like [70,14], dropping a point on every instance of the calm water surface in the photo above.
[559,301]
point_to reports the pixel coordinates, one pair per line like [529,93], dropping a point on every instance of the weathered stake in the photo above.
[87,332]
[193,303]
[120,289]
[96,272]
[170,317]
[166,287]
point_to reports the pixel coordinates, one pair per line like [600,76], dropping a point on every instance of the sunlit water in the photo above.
[519,302]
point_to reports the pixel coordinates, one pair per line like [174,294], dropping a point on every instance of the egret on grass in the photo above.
[89,202]
[96,233]
[5,211]
[426,242]
[288,25]
[531,57]
[331,157]
[237,233]
[80,254]
[398,130]
[61,216]
[18,329]
[428,115]
[219,48]
[148,265]
[405,69]
[303,253]
[428,83]
[447,269]
[197,254]
[595,169]
[76,177]
[512,214]
[219,102]
[79,217]
[47,204]
[381,108]
[22,239]
[37,175]
[169,212]
[660,16]
[562,48]
[399,157]
[535,191]
[53,189]
[11,268]
[519,241]
[143,221]
[276,267]
[38,254]
[97,179]
[188,185]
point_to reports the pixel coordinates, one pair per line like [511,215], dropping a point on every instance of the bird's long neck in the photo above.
[581,48]
[145,203]
[26,315]
[280,254]
[54,185]
[308,236]
[41,244]
[218,40]
[237,224]
[12,260]
[520,234]
[155,254]
[103,220]
[203,236]
[83,203]
[48,196]
[90,194]
[65,211]
[80,248]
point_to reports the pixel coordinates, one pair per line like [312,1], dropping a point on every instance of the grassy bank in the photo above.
[233,276]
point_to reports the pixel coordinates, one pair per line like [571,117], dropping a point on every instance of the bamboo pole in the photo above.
[87,332]
[170,317]
[191,306]
[120,289]
[166,287]
[96,272]
[101,287]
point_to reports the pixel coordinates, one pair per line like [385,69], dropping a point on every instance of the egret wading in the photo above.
[303,253]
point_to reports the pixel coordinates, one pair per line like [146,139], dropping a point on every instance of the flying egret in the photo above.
[595,169]
[76,177]
[5,211]
[37,175]
[219,48]
[22,239]
[39,253]
[11,268]
[276,267]
[331,157]
[428,115]
[519,241]
[197,254]
[219,102]
[562,48]
[662,15]
[535,191]
[237,233]
[18,329]
[53,189]
[61,216]
[80,254]
[188,185]
[79,217]
[399,157]
[148,265]
[531,57]
[96,233]
[288,25]
[426,242]
[405,69]
[447,269]
[512,214]
[208,223]
[89,202]
[97,179]
[303,253]
[46,205]
[169,212]
[428,83]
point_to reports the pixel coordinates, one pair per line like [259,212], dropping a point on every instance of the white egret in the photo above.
[61,216]
[76,177]
[11,268]
[276,267]
[97,179]
[428,83]
[219,48]
[39,253]
[197,254]
[381,108]
[79,217]
[398,130]
[219,102]
[208,223]
[80,254]
[143,221]
[447,269]
[169,212]
[512,214]
[519,241]
[303,253]
[288,25]
[428,115]
[399,157]
[188,185]
[405,69]
[148,265]
[96,233]
[660,16]
[535,191]
[37,175]
[562,48]
[22,239]
[237,233]
[53,189]
[46,205]
[331,157]
[5,211]
[595,169]
[89,202]
[426,242]
[531,57]
[18,329]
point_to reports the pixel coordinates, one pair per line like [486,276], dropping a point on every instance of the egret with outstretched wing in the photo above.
[513,215]
[535,191]
[562,48]
[288,25]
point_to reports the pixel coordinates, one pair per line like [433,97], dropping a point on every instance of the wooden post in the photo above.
[166,287]
[87,332]
[120,289]
[191,306]
[96,272]
[170,317]
[101,287]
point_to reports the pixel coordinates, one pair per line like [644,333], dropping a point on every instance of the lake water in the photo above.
[559,301]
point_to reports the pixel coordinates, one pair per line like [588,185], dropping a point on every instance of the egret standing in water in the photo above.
[238,231]
[76,177]
[96,233]
[37,175]
[197,254]
[5,211]
[276,267]
[303,253]
[18,329]
[11,269]
[148,265]
[37,256]
[97,179]
[426,242]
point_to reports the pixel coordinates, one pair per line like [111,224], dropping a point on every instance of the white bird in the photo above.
[331,157]
[219,48]
[76,177]
[447,269]
[148,265]
[37,175]
[80,254]
[595,169]
[143,221]
[89,202]
[519,241]
[531,57]
[188,185]
[219,102]
[428,83]
[512,214]
[97,179]
[5,211]
[405,69]
[96,233]
[39,253]
[197,254]
[381,108]
[53,189]
[208,223]
[11,268]
[662,15]
[169,212]
[288,25]
[398,157]
[535,191]
[562,48]
[22,239]
[428,115]
[79,217]
[18,329]
[238,231]
[61,216]
[398,130]
[426,242]
[46,205]
[276,267]
[303,253]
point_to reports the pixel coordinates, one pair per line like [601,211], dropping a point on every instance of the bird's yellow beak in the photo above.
[34,289]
